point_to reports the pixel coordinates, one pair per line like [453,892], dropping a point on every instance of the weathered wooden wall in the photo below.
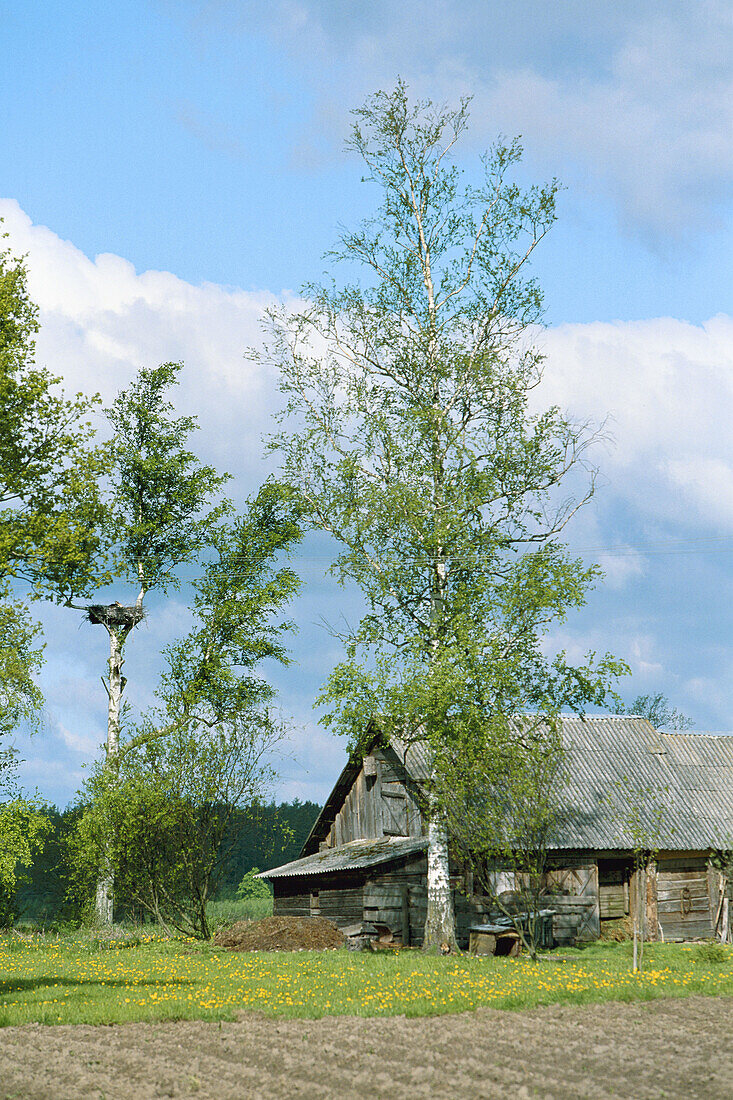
[396,895]
[686,896]
[340,897]
[382,804]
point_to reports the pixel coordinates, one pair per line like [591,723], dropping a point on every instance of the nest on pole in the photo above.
[114,614]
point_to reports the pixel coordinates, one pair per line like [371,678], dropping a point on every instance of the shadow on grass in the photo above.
[25,985]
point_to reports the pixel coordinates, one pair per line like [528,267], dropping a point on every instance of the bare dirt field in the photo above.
[672,1048]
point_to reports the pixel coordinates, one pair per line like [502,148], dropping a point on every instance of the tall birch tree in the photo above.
[163,511]
[408,431]
[204,753]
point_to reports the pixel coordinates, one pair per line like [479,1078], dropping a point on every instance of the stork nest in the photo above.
[114,614]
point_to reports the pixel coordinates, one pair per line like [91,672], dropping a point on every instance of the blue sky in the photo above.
[170,167]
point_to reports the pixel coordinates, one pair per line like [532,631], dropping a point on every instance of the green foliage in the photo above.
[23,829]
[274,834]
[411,433]
[502,803]
[227,911]
[20,659]
[252,888]
[49,505]
[162,818]
[277,836]
[160,512]
[658,710]
[237,610]
[51,515]
[161,815]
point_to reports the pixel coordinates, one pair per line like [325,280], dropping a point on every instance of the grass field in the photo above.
[83,979]
[232,910]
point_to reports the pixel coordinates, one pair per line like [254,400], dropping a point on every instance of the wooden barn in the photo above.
[365,861]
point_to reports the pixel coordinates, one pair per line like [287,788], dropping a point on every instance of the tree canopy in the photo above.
[50,509]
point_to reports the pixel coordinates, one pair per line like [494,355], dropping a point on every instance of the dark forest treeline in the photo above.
[272,835]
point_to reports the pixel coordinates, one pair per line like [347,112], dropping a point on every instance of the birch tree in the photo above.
[409,432]
[163,510]
[163,817]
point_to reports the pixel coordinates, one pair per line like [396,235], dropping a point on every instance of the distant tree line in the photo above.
[272,836]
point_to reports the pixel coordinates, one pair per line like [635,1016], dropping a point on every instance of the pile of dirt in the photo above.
[281,934]
[617,930]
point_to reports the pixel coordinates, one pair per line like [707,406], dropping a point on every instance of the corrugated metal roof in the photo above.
[689,775]
[354,856]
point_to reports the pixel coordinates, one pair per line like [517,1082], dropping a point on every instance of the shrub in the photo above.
[711,952]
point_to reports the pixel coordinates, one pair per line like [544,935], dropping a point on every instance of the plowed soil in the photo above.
[281,934]
[673,1049]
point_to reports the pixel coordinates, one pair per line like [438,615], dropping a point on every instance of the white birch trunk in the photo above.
[440,925]
[104,904]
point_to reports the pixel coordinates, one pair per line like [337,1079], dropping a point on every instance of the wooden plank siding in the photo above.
[383,804]
[683,897]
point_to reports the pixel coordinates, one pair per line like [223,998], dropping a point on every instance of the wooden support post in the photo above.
[405,916]
[651,916]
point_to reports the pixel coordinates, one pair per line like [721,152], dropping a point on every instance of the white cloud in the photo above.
[667,387]
[654,130]
[101,321]
[78,742]
[707,484]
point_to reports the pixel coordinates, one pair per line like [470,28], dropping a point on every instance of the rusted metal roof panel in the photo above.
[357,855]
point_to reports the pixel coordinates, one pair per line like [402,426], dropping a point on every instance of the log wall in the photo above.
[340,898]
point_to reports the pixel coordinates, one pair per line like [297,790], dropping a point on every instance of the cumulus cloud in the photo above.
[101,321]
[667,387]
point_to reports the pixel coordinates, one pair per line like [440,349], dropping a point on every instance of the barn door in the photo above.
[683,900]
[613,888]
[395,808]
[394,814]
[575,896]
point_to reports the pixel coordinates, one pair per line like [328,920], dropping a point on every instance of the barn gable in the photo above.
[377,795]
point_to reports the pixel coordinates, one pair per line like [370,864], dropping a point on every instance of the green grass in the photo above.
[220,913]
[89,979]
[229,911]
